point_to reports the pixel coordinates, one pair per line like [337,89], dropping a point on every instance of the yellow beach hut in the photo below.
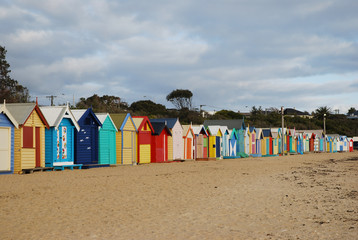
[125,138]
[29,138]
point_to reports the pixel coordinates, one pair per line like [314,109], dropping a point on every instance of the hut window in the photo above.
[28,137]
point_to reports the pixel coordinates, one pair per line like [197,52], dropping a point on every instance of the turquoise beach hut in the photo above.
[240,148]
[106,140]
[233,143]
[60,137]
[7,125]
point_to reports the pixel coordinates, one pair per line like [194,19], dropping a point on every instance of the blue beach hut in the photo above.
[7,125]
[60,137]
[86,140]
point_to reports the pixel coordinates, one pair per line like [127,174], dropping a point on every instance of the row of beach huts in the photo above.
[55,137]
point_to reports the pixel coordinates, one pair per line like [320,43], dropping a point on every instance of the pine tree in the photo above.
[10,89]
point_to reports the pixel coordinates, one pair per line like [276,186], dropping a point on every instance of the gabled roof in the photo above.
[230,123]
[251,129]
[199,129]
[187,129]
[170,122]
[120,119]
[224,130]
[22,111]
[102,118]
[259,134]
[274,132]
[266,132]
[81,114]
[55,114]
[233,133]
[139,122]
[158,127]
[6,112]
[214,130]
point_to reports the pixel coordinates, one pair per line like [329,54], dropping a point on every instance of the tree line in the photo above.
[181,99]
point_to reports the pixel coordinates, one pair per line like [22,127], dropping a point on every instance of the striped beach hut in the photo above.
[200,142]
[188,138]
[252,140]
[107,153]
[259,139]
[160,142]
[266,144]
[175,140]
[7,126]
[225,141]
[247,140]
[60,137]
[275,140]
[29,138]
[86,140]
[144,139]
[126,136]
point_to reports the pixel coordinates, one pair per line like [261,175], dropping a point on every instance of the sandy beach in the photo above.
[314,196]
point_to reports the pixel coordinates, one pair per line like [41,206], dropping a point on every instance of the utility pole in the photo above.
[324,132]
[51,97]
[282,132]
[201,107]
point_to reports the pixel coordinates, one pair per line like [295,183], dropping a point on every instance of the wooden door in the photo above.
[188,148]
[38,147]
[5,149]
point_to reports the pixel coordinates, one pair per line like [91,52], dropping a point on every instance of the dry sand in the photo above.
[314,196]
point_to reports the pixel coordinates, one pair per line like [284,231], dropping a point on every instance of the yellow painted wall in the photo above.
[128,147]
[17,149]
[212,150]
[26,157]
[170,148]
[275,146]
[263,146]
[145,153]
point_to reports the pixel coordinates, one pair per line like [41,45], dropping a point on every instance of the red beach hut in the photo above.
[160,142]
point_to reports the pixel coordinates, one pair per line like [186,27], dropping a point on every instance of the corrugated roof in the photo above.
[230,123]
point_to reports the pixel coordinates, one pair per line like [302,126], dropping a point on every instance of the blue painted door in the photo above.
[218,146]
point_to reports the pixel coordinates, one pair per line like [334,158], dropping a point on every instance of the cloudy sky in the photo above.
[232,54]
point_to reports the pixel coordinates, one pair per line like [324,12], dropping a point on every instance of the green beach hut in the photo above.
[106,140]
